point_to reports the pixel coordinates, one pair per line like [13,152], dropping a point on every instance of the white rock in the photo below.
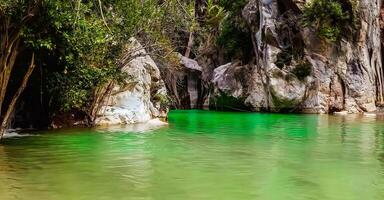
[344,74]
[132,103]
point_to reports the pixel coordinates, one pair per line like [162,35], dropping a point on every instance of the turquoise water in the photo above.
[202,155]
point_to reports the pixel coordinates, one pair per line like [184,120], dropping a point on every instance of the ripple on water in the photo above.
[202,155]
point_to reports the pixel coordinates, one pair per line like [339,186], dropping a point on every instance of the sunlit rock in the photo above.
[139,98]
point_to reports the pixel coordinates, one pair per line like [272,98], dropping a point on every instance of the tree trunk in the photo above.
[8,60]
[190,44]
[200,9]
[100,96]
[11,107]
[10,45]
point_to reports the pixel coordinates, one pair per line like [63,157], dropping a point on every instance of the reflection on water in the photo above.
[203,155]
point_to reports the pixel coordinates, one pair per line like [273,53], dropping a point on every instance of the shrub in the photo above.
[236,42]
[283,58]
[234,35]
[330,18]
[163,99]
[302,70]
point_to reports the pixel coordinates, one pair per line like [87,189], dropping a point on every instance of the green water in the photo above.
[202,155]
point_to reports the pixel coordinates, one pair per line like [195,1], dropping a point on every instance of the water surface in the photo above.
[202,155]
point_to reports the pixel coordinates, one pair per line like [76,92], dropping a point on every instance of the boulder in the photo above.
[230,85]
[139,98]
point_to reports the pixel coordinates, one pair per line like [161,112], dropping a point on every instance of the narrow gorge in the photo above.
[192,99]
[292,69]
[283,56]
[295,70]
[298,71]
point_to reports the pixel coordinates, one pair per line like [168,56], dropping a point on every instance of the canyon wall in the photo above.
[322,77]
[293,70]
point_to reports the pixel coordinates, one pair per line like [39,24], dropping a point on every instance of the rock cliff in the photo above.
[296,71]
[141,97]
[293,70]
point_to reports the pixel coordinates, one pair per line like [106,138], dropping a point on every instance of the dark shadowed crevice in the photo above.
[285,5]
[380,101]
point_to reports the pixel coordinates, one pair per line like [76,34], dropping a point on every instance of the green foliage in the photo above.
[234,6]
[234,36]
[236,42]
[163,99]
[283,58]
[215,14]
[302,70]
[331,18]
[82,41]
[85,48]
[78,85]
[15,8]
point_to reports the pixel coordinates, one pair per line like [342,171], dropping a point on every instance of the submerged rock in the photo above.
[140,98]
[137,127]
[341,113]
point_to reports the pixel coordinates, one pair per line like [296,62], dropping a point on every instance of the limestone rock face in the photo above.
[230,85]
[229,79]
[320,77]
[140,98]
[192,75]
[186,85]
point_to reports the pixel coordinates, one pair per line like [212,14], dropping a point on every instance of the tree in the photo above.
[14,16]
[79,44]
